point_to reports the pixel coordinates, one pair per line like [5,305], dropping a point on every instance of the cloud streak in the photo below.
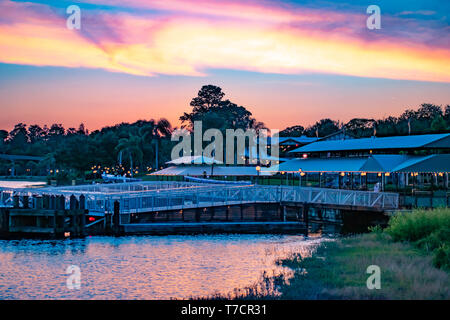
[188,38]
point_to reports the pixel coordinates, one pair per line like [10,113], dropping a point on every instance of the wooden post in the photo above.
[213,211]
[4,226]
[116,218]
[52,203]
[39,202]
[25,200]
[46,202]
[82,200]
[61,203]
[283,216]
[107,223]
[305,215]
[71,228]
[16,203]
[82,218]
[73,202]
[197,214]
[55,222]
[319,214]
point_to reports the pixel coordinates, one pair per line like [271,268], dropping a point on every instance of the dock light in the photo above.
[282,172]
[363,174]
[258,168]
[302,174]
[300,170]
[91,219]
[66,234]
[304,156]
[441,174]
[342,174]
[387,174]
[379,174]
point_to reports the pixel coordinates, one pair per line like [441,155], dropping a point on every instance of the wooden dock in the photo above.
[215,227]
[48,218]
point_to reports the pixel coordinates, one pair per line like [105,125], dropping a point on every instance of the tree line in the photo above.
[145,145]
[428,118]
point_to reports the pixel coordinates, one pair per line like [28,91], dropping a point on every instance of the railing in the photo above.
[209,197]
[187,195]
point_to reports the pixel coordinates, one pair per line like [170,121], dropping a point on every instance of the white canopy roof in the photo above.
[194,160]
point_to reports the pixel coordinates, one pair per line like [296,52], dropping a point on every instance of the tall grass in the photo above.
[426,229]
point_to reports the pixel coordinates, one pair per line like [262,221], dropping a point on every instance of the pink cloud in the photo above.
[262,39]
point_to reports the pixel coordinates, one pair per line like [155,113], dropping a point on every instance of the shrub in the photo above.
[426,229]
[441,257]
[418,225]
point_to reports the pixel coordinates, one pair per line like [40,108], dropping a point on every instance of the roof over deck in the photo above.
[374,163]
[425,141]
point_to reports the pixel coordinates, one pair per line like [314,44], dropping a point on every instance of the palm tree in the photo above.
[130,147]
[154,132]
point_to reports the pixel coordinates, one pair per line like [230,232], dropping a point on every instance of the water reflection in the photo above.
[141,267]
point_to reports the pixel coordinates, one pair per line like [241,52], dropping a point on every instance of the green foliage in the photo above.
[294,131]
[442,257]
[210,108]
[438,124]
[376,229]
[418,224]
[426,229]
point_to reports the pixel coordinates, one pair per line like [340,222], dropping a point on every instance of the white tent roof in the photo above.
[216,171]
[194,160]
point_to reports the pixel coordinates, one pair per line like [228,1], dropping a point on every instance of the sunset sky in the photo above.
[288,62]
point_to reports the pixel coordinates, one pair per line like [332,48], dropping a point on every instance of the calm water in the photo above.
[20,184]
[143,267]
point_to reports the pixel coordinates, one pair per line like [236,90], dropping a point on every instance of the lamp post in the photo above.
[258,169]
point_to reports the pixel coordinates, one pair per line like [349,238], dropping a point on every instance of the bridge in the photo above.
[139,197]
[13,158]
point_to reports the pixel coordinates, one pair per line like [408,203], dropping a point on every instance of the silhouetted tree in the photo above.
[294,131]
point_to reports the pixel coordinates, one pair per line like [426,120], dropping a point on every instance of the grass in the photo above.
[428,230]
[338,271]
[413,254]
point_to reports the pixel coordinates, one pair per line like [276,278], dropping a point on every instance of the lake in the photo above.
[142,267]
[21,184]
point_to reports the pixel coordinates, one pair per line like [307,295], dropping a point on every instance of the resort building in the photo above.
[418,161]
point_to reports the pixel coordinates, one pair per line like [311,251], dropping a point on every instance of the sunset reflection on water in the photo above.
[142,267]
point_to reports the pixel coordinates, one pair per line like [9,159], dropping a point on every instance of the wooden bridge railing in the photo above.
[184,197]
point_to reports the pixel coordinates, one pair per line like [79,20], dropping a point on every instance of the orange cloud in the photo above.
[190,46]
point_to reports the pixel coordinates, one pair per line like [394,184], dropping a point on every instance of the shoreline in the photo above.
[411,255]
[338,270]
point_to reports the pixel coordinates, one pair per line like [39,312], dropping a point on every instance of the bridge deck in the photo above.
[135,197]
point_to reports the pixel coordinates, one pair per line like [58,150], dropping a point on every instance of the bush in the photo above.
[426,229]
[441,257]
[418,225]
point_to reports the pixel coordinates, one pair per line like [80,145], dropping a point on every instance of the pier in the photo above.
[162,207]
